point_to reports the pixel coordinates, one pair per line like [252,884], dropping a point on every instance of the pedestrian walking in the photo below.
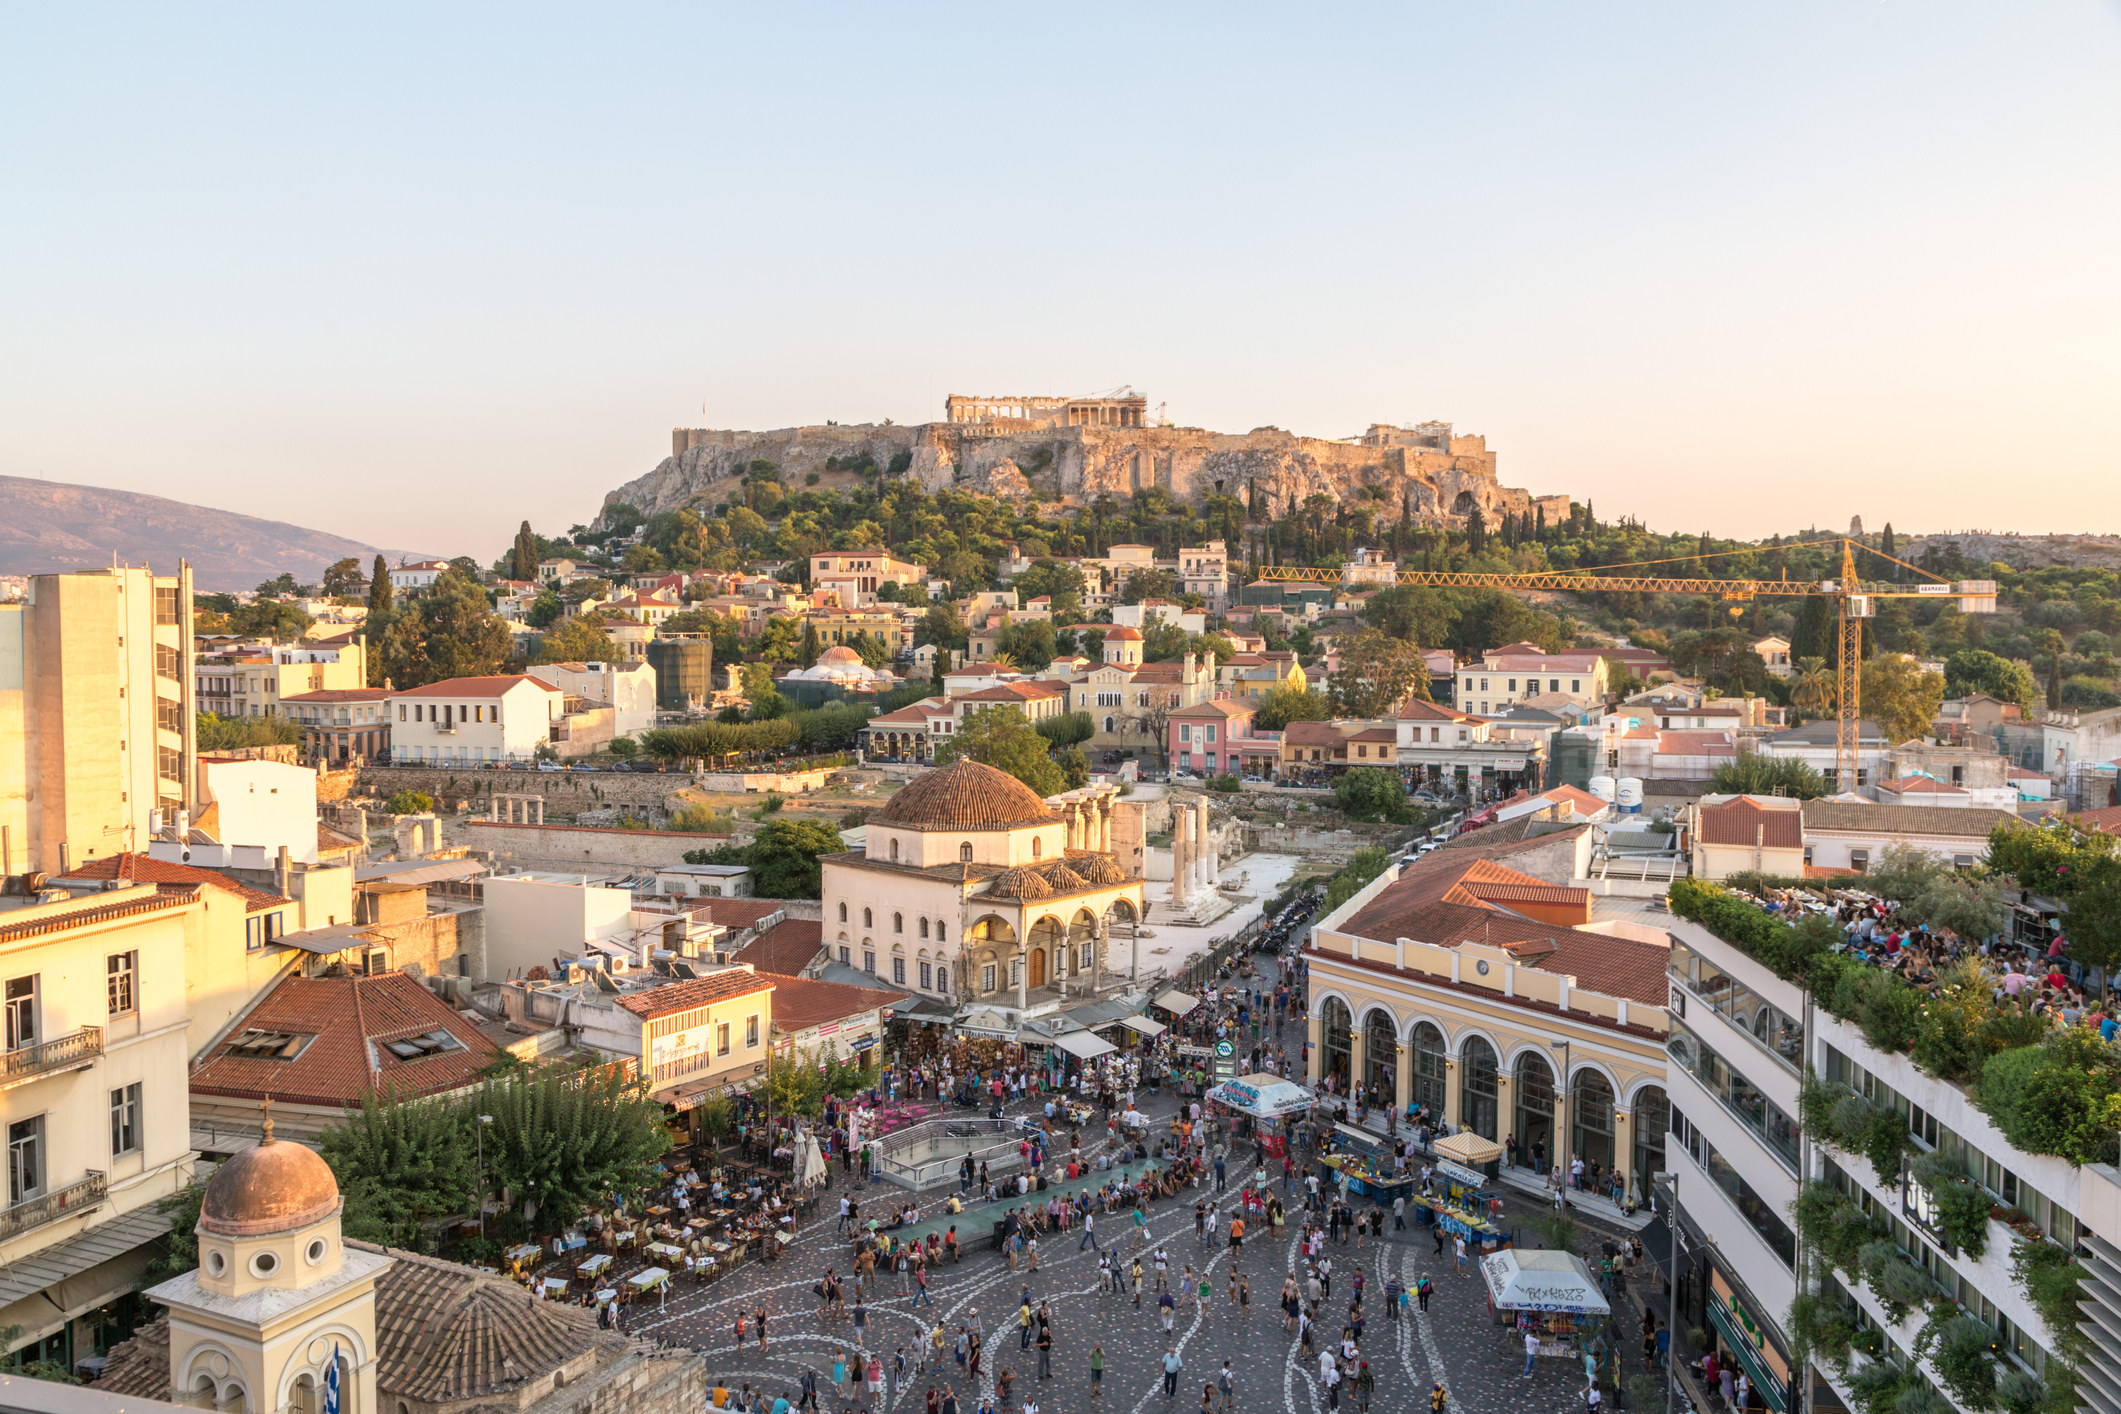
[1172,1365]
[1097,1371]
[1089,1233]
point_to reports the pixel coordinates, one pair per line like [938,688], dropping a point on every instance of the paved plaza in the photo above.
[1479,1363]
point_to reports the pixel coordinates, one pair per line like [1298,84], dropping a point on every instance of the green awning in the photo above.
[1766,1383]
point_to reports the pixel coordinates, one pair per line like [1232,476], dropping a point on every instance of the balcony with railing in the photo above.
[52,1206]
[42,1058]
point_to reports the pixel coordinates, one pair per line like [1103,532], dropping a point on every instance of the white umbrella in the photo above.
[809,1163]
[1541,1280]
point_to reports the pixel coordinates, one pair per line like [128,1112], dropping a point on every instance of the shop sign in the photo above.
[1460,1174]
[861,1043]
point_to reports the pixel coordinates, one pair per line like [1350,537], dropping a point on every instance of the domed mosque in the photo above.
[998,908]
[839,672]
[279,1296]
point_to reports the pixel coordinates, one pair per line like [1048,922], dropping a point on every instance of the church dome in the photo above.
[276,1187]
[964,795]
[839,653]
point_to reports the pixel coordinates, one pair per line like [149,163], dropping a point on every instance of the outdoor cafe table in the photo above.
[649,1279]
[595,1266]
[658,1212]
[550,1287]
[528,1252]
[605,1295]
[665,1250]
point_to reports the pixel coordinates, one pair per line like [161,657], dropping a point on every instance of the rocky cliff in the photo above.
[1074,465]
[2024,552]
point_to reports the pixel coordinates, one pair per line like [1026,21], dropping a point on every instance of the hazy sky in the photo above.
[413,273]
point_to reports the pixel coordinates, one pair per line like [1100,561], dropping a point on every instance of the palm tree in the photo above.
[1813,690]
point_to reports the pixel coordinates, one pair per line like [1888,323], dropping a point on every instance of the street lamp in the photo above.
[1564,1139]
[484,1120]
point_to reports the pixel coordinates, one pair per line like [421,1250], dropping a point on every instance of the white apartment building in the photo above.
[1151,612]
[95,1105]
[1736,1053]
[628,689]
[464,721]
[1813,744]
[420,574]
[1205,570]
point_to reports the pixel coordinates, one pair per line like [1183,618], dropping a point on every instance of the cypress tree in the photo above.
[523,562]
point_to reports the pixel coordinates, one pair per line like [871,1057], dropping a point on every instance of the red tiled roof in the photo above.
[144,869]
[340,694]
[2106,821]
[494,686]
[695,992]
[1741,822]
[43,923]
[1693,743]
[1421,710]
[786,948]
[800,1003]
[1312,734]
[1920,785]
[350,1019]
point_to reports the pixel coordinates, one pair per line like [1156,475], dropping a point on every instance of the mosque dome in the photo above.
[964,795]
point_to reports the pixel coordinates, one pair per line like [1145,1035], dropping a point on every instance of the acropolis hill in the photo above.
[1071,450]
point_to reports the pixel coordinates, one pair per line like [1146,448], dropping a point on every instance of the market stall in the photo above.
[1270,1102]
[1551,1295]
[1469,1150]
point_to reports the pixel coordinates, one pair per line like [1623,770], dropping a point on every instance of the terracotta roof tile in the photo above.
[494,686]
[786,948]
[349,1020]
[1743,820]
[800,1003]
[964,795]
[695,992]
[144,869]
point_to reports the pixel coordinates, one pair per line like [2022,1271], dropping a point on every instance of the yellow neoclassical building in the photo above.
[1475,981]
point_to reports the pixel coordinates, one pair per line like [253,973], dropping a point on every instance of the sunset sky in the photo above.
[413,273]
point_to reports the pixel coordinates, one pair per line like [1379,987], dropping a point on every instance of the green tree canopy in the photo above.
[450,631]
[1376,675]
[1001,737]
[1754,774]
[1972,670]
[580,639]
[1900,697]
[1373,793]
[343,578]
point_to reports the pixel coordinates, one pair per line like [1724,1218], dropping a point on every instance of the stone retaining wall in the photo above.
[577,844]
[566,792]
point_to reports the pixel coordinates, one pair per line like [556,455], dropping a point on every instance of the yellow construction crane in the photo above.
[1855,601]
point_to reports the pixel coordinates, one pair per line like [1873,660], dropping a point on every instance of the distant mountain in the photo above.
[49,525]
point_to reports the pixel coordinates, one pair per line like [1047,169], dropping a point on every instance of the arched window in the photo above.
[867,920]
[1038,847]
[894,851]
[942,930]
[1338,1024]
[1591,1119]
[1534,1129]
[1380,1055]
[898,923]
[1653,1116]
[1477,1087]
[843,913]
[964,852]
[1429,1068]
[924,927]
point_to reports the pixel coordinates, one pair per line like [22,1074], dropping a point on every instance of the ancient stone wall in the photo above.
[1077,464]
[562,845]
[566,793]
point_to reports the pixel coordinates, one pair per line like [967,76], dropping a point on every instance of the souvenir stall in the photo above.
[1550,1294]
[1269,1102]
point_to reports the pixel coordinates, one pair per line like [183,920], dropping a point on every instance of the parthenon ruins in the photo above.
[1034,414]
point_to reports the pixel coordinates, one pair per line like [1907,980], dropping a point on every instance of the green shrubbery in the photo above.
[2050,1090]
